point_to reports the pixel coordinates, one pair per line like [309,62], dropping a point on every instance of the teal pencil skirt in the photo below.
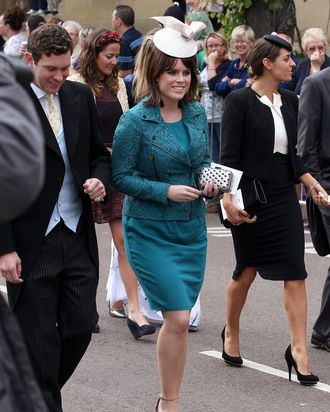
[168,258]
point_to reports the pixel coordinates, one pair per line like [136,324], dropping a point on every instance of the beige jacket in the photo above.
[121,95]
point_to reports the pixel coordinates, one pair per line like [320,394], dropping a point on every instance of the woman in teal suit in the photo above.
[159,148]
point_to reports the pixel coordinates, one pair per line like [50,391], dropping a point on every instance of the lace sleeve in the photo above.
[122,96]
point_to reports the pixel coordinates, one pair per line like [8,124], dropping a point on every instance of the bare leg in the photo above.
[295,302]
[172,347]
[127,275]
[236,296]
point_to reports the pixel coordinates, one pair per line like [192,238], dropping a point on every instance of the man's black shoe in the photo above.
[97,328]
[320,342]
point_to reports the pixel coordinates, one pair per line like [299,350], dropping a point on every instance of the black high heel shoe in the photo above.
[303,379]
[230,360]
[139,331]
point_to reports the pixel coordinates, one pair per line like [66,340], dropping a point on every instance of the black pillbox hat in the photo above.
[278,41]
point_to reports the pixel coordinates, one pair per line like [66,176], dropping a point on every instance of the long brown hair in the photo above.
[150,64]
[96,42]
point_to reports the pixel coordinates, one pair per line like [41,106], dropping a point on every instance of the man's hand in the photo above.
[95,189]
[10,267]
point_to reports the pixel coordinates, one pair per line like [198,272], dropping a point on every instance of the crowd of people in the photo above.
[128,122]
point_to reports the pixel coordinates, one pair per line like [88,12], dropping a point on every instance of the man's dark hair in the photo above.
[175,11]
[125,14]
[49,39]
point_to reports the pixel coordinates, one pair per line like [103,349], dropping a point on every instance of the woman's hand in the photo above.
[181,193]
[213,59]
[233,82]
[319,195]
[234,212]
[316,191]
[317,59]
[210,189]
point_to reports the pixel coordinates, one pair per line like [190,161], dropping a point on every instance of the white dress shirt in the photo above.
[281,137]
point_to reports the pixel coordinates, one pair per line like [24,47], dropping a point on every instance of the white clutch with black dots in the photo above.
[222,177]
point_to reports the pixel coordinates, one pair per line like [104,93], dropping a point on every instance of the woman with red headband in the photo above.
[98,68]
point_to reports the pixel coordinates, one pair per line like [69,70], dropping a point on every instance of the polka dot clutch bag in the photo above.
[222,177]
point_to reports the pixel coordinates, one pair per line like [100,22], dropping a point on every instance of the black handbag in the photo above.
[253,197]
[317,229]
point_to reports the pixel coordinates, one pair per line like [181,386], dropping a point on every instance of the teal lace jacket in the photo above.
[146,160]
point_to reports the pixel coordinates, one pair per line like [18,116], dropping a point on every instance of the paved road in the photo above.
[119,374]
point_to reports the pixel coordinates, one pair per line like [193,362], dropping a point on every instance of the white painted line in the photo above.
[311,252]
[221,235]
[267,369]
[218,230]
[309,248]
[3,289]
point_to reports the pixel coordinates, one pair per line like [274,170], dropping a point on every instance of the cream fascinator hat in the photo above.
[176,38]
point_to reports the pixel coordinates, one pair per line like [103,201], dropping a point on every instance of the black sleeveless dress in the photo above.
[109,111]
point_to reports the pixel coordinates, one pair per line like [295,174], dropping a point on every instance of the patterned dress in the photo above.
[109,111]
[110,108]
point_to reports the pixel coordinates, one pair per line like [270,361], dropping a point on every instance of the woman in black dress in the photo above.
[259,137]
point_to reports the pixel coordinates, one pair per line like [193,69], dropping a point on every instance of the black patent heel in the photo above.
[289,368]
[230,360]
[303,379]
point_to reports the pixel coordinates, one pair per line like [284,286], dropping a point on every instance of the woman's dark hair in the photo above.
[261,49]
[34,21]
[14,17]
[96,42]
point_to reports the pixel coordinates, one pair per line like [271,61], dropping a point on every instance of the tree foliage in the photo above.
[263,15]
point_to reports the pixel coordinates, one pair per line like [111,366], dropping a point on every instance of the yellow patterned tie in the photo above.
[53,114]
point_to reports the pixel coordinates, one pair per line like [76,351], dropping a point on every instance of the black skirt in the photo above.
[274,244]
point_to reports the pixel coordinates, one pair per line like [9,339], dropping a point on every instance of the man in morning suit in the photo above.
[49,254]
[314,149]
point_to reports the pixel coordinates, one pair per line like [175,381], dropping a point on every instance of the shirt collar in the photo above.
[277,100]
[39,92]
